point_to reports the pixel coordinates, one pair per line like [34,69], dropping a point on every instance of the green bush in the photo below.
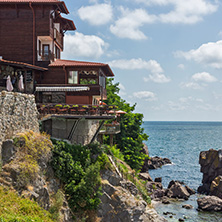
[77,168]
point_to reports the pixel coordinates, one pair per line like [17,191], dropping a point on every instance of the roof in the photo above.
[22,65]
[67,24]
[61,4]
[61,89]
[73,63]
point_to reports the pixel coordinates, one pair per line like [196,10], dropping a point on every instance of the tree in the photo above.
[130,140]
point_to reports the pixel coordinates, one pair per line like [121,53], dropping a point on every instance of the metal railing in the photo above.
[45,56]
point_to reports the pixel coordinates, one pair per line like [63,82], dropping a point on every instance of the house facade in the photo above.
[31,42]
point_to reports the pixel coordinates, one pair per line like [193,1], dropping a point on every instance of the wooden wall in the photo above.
[16,30]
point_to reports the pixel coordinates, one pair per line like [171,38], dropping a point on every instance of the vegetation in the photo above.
[78,167]
[32,147]
[130,140]
[16,209]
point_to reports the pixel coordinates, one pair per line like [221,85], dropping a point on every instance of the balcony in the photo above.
[58,37]
[45,57]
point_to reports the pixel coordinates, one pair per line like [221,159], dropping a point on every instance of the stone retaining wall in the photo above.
[18,113]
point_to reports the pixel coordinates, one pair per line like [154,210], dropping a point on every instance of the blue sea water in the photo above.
[182,143]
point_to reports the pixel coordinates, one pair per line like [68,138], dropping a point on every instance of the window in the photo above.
[57,52]
[73,77]
[45,50]
[39,47]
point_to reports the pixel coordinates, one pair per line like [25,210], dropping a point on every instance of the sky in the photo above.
[166,54]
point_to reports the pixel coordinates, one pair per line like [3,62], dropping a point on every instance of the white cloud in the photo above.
[147,95]
[98,14]
[80,45]
[128,26]
[139,63]
[208,54]
[191,85]
[181,66]
[121,86]
[157,78]
[187,12]
[203,77]
[152,66]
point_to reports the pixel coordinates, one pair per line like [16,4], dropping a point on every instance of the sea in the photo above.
[182,143]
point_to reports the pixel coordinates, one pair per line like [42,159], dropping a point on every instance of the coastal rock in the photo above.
[211,167]
[145,149]
[210,203]
[156,190]
[145,176]
[157,162]
[216,187]
[187,206]
[177,190]
[124,203]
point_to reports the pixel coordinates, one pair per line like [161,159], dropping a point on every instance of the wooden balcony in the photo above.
[49,56]
[58,37]
[74,109]
[110,129]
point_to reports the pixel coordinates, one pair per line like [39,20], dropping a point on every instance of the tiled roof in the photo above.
[22,64]
[61,3]
[72,63]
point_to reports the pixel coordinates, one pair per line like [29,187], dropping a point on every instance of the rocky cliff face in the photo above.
[18,113]
[121,201]
[211,167]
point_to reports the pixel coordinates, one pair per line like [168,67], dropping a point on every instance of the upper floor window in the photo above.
[57,52]
[73,77]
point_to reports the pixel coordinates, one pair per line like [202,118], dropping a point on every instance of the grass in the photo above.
[16,209]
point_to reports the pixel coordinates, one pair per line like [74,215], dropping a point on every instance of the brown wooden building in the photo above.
[31,41]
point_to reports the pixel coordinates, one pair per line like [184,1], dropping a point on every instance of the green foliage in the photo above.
[58,199]
[32,147]
[130,140]
[16,209]
[77,168]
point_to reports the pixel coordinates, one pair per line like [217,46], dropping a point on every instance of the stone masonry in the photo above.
[18,113]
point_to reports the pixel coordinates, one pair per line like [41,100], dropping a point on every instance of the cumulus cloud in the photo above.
[147,95]
[157,78]
[129,24]
[187,12]
[191,85]
[80,45]
[181,66]
[209,54]
[152,66]
[139,63]
[98,14]
[204,77]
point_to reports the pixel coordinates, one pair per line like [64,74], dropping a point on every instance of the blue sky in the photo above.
[166,54]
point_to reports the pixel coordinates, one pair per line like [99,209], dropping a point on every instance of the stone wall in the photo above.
[18,113]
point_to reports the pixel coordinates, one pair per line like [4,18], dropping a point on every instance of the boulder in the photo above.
[156,190]
[145,149]
[177,190]
[8,151]
[187,206]
[158,180]
[211,167]
[216,187]
[157,162]
[210,203]
[145,176]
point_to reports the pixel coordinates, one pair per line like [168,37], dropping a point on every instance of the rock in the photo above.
[157,162]
[211,167]
[165,200]
[216,187]
[177,190]
[145,149]
[145,176]
[156,190]
[130,186]
[181,219]
[191,191]
[210,203]
[187,206]
[8,151]
[158,180]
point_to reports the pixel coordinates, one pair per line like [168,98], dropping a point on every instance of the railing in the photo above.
[58,37]
[73,109]
[113,128]
[46,56]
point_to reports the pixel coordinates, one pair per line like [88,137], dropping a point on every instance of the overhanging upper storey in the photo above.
[60,4]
